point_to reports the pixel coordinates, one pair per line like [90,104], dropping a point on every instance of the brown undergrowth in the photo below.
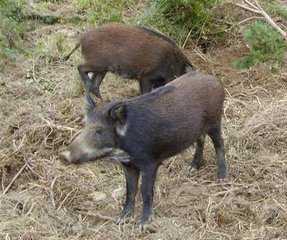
[41,110]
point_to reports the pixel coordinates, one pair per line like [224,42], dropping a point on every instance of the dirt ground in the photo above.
[41,109]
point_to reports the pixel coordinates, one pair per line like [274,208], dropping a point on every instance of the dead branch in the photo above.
[14,178]
[256,8]
[97,215]
[58,127]
[249,19]
[247,8]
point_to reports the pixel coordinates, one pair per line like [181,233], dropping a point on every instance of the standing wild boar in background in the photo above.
[151,128]
[132,52]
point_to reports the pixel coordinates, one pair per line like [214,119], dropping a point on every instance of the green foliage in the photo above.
[266,45]
[103,11]
[52,1]
[276,9]
[11,28]
[155,18]
[50,48]
[12,9]
[179,17]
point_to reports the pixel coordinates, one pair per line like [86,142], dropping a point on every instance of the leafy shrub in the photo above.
[11,28]
[180,17]
[12,9]
[154,17]
[50,48]
[265,43]
[274,8]
[103,11]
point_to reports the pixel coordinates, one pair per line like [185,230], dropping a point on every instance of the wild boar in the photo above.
[132,52]
[151,128]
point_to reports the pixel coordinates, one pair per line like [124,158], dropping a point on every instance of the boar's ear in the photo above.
[90,107]
[118,113]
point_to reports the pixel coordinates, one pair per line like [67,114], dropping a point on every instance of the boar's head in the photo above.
[99,136]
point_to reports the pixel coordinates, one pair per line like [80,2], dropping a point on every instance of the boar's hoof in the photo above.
[221,180]
[192,171]
[195,166]
[97,92]
[123,220]
[125,215]
[147,227]
[221,175]
[145,220]
[99,96]
[197,163]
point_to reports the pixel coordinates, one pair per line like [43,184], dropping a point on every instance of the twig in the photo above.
[257,5]
[247,8]
[97,215]
[249,19]
[201,55]
[251,4]
[14,178]
[51,191]
[186,39]
[280,205]
[65,199]
[256,8]
[21,144]
[58,127]
[170,165]
[221,234]
[34,78]
[34,172]
[273,24]
[2,181]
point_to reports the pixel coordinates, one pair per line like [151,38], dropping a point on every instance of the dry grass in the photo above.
[41,109]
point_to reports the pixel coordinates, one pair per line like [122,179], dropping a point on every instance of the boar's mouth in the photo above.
[68,158]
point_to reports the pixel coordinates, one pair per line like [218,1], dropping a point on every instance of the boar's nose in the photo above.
[65,156]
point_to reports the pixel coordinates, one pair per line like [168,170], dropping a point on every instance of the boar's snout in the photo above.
[78,156]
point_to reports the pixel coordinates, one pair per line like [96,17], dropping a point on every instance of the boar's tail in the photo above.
[72,51]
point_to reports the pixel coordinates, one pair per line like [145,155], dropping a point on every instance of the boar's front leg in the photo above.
[158,82]
[132,176]
[147,190]
[84,71]
[145,85]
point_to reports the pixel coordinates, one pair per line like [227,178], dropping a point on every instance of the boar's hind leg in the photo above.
[147,190]
[96,82]
[198,155]
[132,176]
[145,85]
[91,84]
[215,135]
[158,82]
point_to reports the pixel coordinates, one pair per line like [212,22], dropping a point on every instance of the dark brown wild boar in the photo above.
[151,128]
[132,52]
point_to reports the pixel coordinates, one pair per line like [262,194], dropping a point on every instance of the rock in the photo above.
[98,196]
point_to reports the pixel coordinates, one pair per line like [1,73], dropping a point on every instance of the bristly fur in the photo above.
[132,52]
[153,127]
